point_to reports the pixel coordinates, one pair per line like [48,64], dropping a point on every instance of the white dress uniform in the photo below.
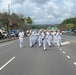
[49,39]
[42,34]
[44,44]
[45,41]
[21,37]
[55,38]
[34,37]
[58,38]
[39,39]
[31,40]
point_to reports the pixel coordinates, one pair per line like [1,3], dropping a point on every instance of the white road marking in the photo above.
[60,49]
[64,43]
[74,63]
[5,44]
[7,63]
[63,52]
[68,56]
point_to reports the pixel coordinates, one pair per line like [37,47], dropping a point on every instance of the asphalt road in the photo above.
[35,61]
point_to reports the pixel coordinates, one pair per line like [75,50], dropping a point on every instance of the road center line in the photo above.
[7,63]
[74,63]
[63,52]
[68,56]
[60,49]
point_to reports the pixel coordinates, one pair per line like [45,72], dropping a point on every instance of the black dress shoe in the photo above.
[44,49]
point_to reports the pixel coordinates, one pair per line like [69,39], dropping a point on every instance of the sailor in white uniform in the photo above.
[21,37]
[40,39]
[44,41]
[31,38]
[58,38]
[54,37]
[49,38]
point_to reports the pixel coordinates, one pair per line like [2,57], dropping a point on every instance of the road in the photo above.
[35,61]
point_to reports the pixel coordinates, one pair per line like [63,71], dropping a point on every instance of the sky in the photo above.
[41,11]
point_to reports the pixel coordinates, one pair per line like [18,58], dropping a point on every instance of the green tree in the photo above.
[69,20]
[13,21]
[4,20]
[18,20]
[69,23]
[28,21]
[70,26]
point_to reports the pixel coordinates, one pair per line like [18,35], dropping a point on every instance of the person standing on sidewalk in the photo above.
[21,37]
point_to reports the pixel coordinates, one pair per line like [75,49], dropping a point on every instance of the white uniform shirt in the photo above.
[21,35]
[42,34]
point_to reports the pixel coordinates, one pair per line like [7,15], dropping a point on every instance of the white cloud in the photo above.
[42,11]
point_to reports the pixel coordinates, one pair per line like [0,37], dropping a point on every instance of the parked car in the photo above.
[16,34]
[1,36]
[12,34]
[5,34]
[74,31]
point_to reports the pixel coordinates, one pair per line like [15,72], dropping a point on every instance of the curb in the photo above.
[1,41]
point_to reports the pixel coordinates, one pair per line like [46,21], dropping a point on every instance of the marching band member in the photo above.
[39,39]
[21,37]
[54,37]
[44,41]
[58,38]
[49,40]
[31,38]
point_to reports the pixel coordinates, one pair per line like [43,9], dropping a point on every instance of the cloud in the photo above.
[17,1]
[42,11]
[40,1]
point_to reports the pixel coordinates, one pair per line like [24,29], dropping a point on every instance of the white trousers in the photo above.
[31,41]
[40,41]
[55,38]
[49,40]
[21,42]
[44,43]
[58,40]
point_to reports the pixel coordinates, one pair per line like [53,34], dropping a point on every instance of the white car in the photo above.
[12,34]
[5,34]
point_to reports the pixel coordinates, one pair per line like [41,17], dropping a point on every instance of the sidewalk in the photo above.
[8,39]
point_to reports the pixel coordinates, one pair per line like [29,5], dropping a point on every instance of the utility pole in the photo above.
[8,8]
[8,20]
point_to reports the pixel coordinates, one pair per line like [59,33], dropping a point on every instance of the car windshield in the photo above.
[11,33]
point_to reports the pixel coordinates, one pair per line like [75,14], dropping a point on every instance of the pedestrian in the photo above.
[44,41]
[49,38]
[55,37]
[32,38]
[39,39]
[58,38]
[21,37]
